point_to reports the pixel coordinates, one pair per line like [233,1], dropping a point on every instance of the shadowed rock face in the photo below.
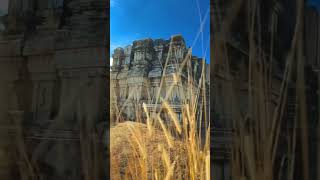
[126,154]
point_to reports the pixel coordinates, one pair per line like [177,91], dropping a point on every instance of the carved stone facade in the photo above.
[53,62]
[137,72]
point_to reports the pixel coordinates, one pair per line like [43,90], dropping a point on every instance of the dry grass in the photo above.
[256,147]
[131,143]
[165,148]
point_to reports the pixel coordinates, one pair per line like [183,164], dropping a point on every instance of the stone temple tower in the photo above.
[53,86]
[147,63]
[138,75]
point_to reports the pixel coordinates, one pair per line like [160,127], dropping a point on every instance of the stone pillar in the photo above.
[118,59]
[84,102]
[45,88]
[138,74]
[176,53]
[128,57]
[158,60]
[143,54]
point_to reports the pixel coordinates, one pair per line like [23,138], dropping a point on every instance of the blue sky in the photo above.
[315,2]
[139,19]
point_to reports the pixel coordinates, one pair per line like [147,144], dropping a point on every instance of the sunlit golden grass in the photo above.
[158,148]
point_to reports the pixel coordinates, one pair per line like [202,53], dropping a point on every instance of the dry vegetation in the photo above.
[131,143]
[165,149]
[256,144]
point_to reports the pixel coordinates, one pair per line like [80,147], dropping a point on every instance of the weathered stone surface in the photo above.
[53,67]
[137,72]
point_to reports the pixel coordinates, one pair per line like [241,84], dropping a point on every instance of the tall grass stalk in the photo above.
[185,151]
[256,141]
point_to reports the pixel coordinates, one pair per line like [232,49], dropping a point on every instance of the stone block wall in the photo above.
[54,73]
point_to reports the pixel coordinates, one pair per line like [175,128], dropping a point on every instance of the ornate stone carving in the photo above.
[54,67]
[128,56]
[118,58]
[141,82]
